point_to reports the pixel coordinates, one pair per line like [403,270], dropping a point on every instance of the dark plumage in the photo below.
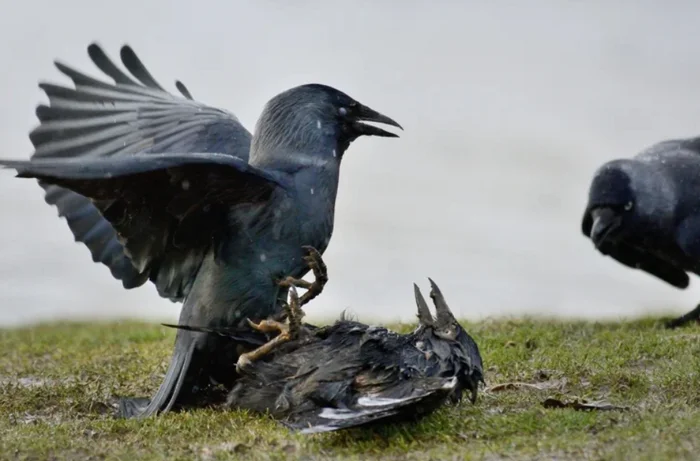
[97,120]
[166,189]
[350,374]
[645,213]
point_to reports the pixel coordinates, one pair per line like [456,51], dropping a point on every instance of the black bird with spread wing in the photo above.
[350,374]
[167,189]
[644,212]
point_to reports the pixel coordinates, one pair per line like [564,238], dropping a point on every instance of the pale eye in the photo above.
[628,206]
[343,111]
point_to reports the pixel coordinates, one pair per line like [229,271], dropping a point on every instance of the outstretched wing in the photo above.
[135,115]
[167,209]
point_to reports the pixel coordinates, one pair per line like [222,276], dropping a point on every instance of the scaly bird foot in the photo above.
[315,262]
[269,326]
[294,313]
[285,332]
[292,310]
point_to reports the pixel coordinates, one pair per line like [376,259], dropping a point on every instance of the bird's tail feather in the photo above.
[167,394]
[183,367]
[243,335]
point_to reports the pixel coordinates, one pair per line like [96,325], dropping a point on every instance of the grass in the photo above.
[57,383]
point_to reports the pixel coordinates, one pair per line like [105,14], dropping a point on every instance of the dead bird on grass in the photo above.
[350,374]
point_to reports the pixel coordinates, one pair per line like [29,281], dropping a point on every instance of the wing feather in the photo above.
[133,115]
[152,202]
[426,395]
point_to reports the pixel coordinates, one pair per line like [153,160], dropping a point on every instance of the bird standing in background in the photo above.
[350,374]
[644,212]
[166,189]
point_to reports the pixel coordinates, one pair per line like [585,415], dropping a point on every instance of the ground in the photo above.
[57,384]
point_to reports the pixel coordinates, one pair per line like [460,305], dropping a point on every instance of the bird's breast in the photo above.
[268,239]
[306,219]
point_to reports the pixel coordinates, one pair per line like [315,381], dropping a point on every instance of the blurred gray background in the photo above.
[508,108]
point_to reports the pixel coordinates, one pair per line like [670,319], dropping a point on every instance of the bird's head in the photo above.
[629,200]
[316,120]
[611,203]
[444,337]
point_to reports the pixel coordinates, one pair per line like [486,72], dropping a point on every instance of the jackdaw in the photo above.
[350,374]
[167,189]
[645,213]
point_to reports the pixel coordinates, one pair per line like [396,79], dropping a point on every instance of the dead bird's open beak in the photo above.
[425,318]
[443,313]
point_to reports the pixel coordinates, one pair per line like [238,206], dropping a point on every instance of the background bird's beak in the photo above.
[605,222]
[364,113]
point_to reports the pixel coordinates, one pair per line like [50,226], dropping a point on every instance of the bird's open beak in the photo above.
[365,114]
[605,222]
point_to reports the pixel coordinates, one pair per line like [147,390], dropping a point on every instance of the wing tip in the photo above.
[126,52]
[183,90]
[94,48]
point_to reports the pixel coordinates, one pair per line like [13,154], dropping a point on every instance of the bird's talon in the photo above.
[269,326]
[291,310]
[242,363]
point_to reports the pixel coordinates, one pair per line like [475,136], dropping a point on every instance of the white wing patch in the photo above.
[376,401]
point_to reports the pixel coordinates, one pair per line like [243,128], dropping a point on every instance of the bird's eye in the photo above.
[628,206]
[343,111]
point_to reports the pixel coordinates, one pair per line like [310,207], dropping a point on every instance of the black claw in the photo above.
[312,252]
[315,262]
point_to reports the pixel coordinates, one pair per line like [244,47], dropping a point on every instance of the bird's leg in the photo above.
[685,318]
[315,262]
[285,332]
[294,313]
[292,309]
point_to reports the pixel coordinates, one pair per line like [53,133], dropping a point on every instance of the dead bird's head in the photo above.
[450,348]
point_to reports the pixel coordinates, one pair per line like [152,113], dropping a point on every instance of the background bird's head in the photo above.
[443,337]
[627,198]
[611,204]
[315,121]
